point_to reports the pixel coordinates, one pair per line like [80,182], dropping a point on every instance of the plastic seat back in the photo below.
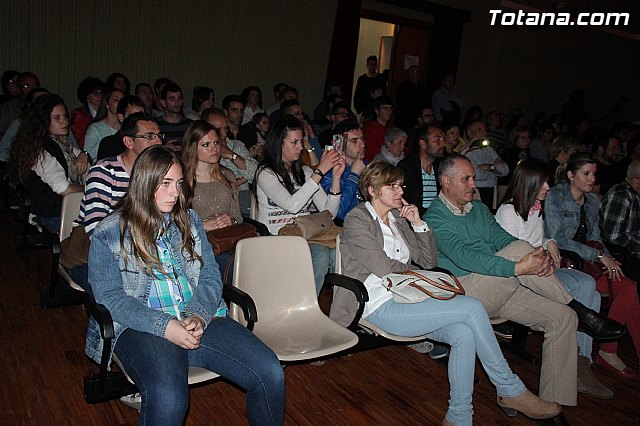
[69,213]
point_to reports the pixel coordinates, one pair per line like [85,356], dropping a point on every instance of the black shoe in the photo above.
[504,329]
[558,420]
[595,325]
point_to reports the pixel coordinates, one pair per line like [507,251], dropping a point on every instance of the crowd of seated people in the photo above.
[287,163]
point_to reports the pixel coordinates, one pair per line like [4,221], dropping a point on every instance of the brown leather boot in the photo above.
[587,382]
[529,405]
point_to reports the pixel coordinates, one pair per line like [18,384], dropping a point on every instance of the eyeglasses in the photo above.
[150,136]
[341,114]
[397,186]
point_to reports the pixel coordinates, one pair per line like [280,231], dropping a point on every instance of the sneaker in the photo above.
[422,347]
[504,329]
[134,401]
[438,352]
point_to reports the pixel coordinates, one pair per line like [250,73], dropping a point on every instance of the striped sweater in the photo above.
[107,183]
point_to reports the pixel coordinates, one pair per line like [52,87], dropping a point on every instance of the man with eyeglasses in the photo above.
[374,130]
[420,169]
[353,150]
[619,219]
[10,110]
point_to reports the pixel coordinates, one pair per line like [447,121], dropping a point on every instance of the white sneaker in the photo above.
[422,347]
[134,401]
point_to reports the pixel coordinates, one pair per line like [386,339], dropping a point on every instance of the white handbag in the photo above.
[414,286]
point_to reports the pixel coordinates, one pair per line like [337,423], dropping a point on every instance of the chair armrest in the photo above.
[102,316]
[356,287]
[244,301]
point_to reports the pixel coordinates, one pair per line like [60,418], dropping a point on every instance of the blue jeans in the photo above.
[80,274]
[323,259]
[462,323]
[160,371]
[583,289]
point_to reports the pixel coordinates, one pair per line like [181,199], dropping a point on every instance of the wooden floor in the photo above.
[42,365]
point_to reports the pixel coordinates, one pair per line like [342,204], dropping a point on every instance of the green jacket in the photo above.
[468,244]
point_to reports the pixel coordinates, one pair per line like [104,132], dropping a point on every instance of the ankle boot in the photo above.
[529,405]
[596,325]
[587,382]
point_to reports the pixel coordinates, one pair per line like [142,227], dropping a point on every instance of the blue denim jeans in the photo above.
[160,371]
[462,323]
[80,274]
[583,289]
[223,260]
[323,259]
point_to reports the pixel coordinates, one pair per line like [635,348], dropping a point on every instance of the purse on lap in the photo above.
[225,239]
[414,286]
[315,228]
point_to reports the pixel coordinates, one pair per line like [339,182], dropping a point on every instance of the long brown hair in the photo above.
[139,214]
[196,131]
[528,178]
[28,145]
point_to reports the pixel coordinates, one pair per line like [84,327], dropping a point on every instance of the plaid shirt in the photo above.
[619,217]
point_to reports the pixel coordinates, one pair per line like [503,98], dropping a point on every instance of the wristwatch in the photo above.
[234,156]
[492,168]
[600,254]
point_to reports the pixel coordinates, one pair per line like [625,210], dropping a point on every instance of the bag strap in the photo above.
[442,284]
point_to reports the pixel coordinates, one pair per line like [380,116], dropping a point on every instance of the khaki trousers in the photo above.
[520,299]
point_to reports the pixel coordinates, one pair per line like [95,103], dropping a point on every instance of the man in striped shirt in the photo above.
[420,168]
[108,180]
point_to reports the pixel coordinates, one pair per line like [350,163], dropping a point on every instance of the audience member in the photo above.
[151,266]
[158,85]
[539,147]
[252,98]
[11,109]
[447,104]
[89,94]
[203,98]
[519,140]
[452,136]
[606,151]
[12,130]
[392,152]
[371,78]
[353,151]
[277,88]
[313,151]
[411,96]
[496,134]
[325,122]
[44,161]
[339,113]
[374,130]
[235,157]
[571,212]
[145,92]
[105,123]
[561,149]
[119,81]
[421,168]
[323,108]
[287,93]
[285,188]
[172,123]
[10,87]
[255,134]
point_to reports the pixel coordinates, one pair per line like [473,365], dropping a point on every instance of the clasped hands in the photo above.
[538,262]
[185,333]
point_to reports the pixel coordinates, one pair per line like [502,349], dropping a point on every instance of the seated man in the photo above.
[620,221]
[108,180]
[420,169]
[172,123]
[512,279]
[374,130]
[354,156]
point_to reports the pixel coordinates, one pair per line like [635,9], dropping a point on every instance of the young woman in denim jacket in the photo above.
[571,212]
[150,264]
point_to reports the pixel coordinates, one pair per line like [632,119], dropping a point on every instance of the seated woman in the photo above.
[43,159]
[286,188]
[150,265]
[452,136]
[211,187]
[386,235]
[393,150]
[521,215]
[105,124]
[571,212]
[255,132]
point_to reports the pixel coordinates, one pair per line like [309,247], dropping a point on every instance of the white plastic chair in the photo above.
[277,273]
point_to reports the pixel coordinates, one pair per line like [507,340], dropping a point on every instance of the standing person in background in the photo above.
[371,78]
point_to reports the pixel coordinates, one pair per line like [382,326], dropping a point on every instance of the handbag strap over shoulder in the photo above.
[442,284]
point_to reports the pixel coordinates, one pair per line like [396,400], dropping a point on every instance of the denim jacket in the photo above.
[124,287]
[562,218]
